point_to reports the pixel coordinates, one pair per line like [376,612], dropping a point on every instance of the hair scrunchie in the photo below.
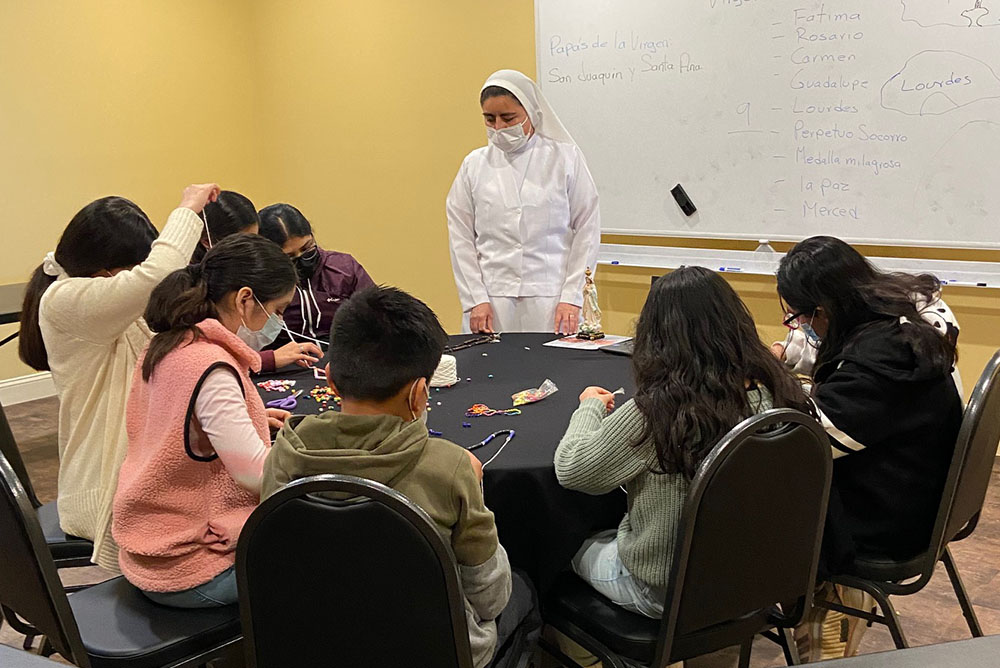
[50,266]
[195,272]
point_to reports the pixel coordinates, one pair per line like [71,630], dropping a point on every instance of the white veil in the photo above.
[527,92]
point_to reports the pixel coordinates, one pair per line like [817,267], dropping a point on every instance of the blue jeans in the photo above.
[219,591]
[599,565]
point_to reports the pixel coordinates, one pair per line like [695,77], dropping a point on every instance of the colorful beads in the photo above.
[482,410]
[323,395]
[275,385]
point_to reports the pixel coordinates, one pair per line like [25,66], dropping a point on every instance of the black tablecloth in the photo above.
[540,524]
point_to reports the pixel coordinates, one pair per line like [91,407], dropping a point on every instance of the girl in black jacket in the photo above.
[883,383]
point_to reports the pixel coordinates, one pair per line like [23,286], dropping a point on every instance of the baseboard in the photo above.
[26,388]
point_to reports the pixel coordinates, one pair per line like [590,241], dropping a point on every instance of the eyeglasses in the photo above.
[792,320]
[308,253]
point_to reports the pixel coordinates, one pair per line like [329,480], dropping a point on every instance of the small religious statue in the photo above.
[590,329]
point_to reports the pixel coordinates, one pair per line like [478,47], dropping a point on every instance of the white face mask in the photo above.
[263,337]
[423,414]
[509,139]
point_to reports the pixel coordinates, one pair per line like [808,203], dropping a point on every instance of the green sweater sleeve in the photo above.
[597,453]
[474,536]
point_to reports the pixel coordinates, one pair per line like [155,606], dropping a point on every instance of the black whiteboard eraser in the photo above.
[683,201]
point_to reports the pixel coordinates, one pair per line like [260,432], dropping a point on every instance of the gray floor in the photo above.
[932,616]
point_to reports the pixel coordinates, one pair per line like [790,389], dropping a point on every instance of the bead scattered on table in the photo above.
[323,395]
[466,425]
[434,432]
[275,385]
[482,410]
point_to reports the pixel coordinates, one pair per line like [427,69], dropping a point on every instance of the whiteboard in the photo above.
[878,122]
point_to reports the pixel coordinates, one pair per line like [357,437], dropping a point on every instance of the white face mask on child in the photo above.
[423,414]
[263,337]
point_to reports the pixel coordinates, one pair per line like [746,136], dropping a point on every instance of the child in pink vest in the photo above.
[197,429]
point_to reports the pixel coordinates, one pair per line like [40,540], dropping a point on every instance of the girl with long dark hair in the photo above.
[82,320]
[885,353]
[197,429]
[700,369]
[880,349]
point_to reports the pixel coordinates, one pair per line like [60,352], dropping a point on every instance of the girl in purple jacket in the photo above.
[326,278]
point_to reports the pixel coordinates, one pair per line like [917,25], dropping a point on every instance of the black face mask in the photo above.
[306,264]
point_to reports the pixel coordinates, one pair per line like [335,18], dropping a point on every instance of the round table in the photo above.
[539,523]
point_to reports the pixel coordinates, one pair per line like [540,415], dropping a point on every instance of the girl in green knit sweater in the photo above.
[700,369]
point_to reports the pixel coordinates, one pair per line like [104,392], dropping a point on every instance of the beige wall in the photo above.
[372,106]
[359,113]
[101,97]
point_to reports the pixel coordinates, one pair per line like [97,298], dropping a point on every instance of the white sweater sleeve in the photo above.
[221,411]
[585,221]
[461,212]
[100,309]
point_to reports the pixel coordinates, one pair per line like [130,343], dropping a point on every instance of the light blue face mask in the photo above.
[263,337]
[812,337]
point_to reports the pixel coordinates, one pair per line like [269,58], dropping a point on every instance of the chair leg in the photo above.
[789,647]
[891,618]
[557,654]
[46,649]
[961,594]
[745,649]
[607,658]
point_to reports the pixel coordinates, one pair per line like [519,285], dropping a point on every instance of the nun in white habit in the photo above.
[523,216]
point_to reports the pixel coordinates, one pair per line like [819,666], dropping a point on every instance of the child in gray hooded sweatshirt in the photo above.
[384,346]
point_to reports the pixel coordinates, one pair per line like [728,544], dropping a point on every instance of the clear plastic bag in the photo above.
[534,394]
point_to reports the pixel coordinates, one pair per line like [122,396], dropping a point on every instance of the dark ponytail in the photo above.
[30,347]
[109,233]
[231,214]
[188,296]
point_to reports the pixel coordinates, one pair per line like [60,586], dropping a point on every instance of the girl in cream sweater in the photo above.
[82,320]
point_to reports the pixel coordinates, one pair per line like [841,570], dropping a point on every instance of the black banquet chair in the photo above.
[108,625]
[367,579]
[67,551]
[746,556]
[958,514]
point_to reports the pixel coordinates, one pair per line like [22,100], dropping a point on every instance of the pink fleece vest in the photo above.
[177,516]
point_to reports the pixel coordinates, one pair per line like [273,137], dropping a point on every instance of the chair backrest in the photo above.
[750,535]
[338,570]
[29,584]
[972,464]
[8,448]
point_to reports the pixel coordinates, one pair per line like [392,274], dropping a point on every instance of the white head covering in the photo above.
[49,265]
[527,92]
